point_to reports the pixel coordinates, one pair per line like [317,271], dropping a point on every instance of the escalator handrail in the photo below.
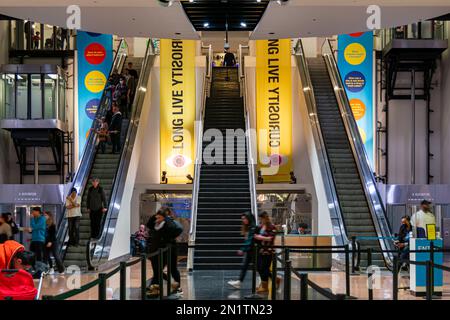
[368,182]
[103,244]
[336,215]
[199,156]
[84,165]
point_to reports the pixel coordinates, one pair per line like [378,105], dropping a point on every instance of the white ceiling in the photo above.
[146,18]
[128,18]
[308,18]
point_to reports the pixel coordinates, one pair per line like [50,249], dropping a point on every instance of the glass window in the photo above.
[50,96]
[426,29]
[62,99]
[9,81]
[22,96]
[36,96]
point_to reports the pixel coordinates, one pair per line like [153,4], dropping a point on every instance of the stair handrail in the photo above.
[336,215]
[199,157]
[101,247]
[251,163]
[85,162]
[368,182]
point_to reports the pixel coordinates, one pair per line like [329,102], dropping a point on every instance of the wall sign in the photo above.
[274,109]
[177,109]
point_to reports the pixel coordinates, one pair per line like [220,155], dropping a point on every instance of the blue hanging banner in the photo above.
[94,60]
[355,62]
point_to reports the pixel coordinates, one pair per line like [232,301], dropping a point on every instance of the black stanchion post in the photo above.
[255,261]
[287,280]
[102,286]
[169,271]
[369,273]
[432,266]
[353,254]
[347,270]
[304,286]
[429,292]
[274,276]
[123,281]
[143,276]
[160,274]
[395,279]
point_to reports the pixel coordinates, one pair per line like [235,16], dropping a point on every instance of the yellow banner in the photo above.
[177,109]
[274,109]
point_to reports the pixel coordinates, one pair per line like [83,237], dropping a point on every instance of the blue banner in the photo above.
[355,62]
[95,58]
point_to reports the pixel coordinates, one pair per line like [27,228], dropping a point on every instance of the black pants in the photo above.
[115,140]
[96,220]
[74,230]
[248,257]
[48,252]
[174,272]
[264,262]
[37,247]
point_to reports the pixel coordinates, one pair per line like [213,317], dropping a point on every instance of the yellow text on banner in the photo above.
[274,109]
[177,108]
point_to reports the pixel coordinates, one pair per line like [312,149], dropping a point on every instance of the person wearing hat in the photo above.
[73,215]
[421,218]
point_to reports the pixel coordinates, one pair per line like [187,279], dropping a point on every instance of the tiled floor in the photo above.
[204,285]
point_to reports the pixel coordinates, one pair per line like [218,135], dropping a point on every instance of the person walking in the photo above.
[73,215]
[37,229]
[265,237]
[96,205]
[51,244]
[248,231]
[229,60]
[115,129]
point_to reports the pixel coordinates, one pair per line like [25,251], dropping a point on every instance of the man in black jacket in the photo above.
[115,128]
[96,206]
[163,233]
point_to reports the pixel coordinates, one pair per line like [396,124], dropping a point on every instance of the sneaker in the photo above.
[153,291]
[235,284]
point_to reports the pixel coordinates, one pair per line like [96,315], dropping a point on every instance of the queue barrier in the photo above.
[101,281]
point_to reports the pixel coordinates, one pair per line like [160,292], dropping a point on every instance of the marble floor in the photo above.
[206,285]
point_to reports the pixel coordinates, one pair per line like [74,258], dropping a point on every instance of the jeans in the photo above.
[264,262]
[95,217]
[74,230]
[138,246]
[48,252]
[174,272]
[37,247]
[248,257]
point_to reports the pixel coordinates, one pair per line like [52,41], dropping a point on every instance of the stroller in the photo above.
[19,284]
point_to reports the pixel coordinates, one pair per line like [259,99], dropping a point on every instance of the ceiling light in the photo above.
[258,1]
[191,1]
[206,25]
[243,24]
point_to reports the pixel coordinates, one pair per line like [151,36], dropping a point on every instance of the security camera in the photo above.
[165,3]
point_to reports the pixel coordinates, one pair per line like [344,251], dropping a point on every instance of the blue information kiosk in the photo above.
[418,273]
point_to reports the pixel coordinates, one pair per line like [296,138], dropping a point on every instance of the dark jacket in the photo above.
[229,60]
[14,228]
[249,239]
[96,199]
[266,247]
[50,236]
[163,237]
[116,122]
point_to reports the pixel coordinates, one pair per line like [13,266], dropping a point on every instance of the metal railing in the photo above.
[339,229]
[98,251]
[199,155]
[87,158]
[374,200]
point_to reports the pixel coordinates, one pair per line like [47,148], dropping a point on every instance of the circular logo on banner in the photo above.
[356,34]
[355,54]
[91,108]
[355,81]
[95,53]
[358,108]
[95,81]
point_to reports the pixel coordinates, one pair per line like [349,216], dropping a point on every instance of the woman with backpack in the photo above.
[163,232]
[50,243]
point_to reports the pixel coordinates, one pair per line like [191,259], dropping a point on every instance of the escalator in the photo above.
[224,186]
[358,210]
[111,170]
